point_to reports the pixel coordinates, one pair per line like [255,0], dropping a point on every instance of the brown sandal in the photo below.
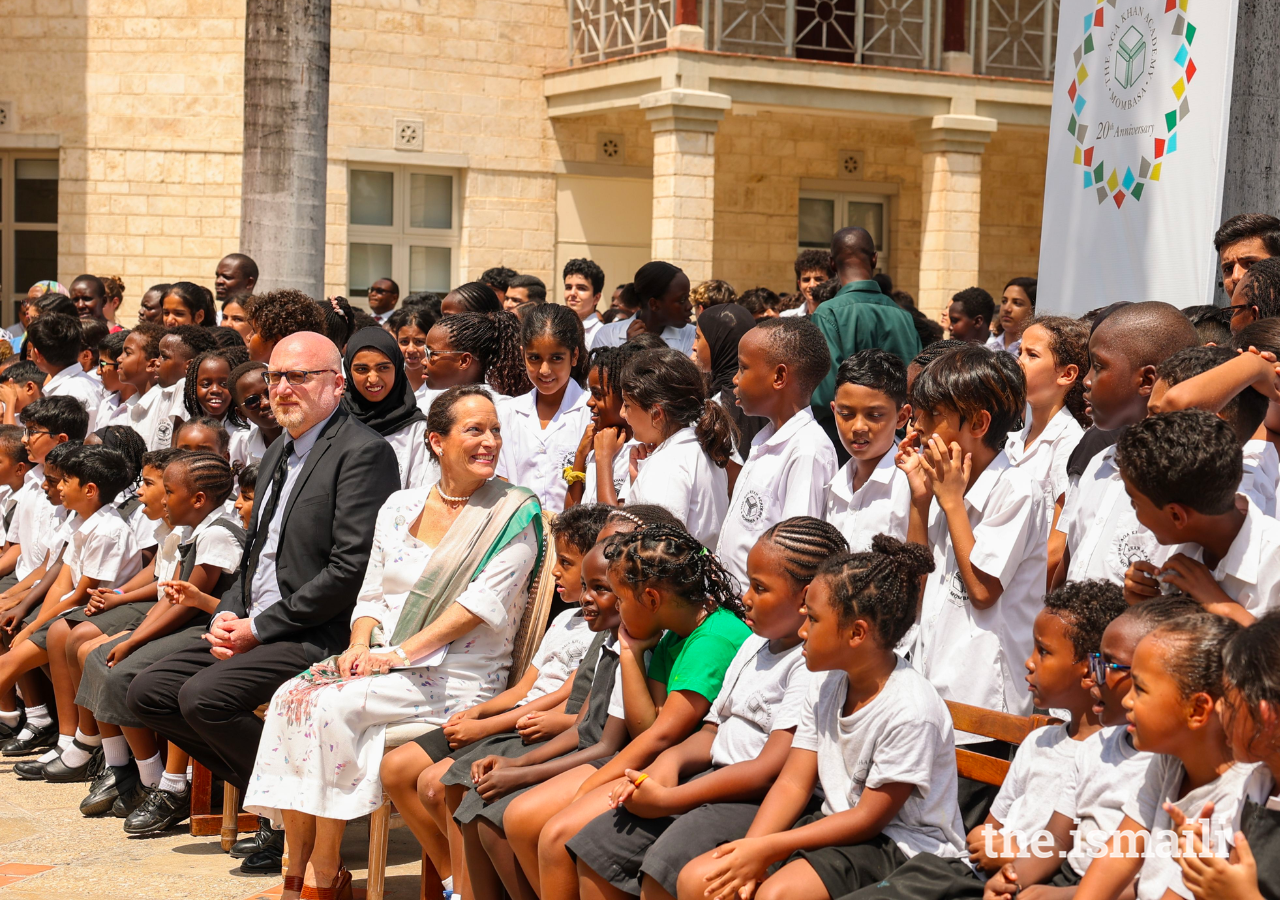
[339,890]
[293,883]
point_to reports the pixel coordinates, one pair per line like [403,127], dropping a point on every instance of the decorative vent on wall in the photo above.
[409,134]
[8,118]
[610,148]
[852,163]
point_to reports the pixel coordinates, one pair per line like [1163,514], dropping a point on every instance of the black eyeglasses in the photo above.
[103,364]
[253,401]
[1100,668]
[295,377]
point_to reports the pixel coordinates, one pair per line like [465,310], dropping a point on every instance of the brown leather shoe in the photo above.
[339,890]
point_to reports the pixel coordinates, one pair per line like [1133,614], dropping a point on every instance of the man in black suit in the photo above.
[319,490]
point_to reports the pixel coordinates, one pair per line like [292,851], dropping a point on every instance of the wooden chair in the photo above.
[532,625]
[230,822]
[997,726]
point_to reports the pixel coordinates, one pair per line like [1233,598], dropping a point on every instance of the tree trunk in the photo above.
[286,125]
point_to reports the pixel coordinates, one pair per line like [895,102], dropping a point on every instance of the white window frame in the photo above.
[399,234]
[13,291]
[841,200]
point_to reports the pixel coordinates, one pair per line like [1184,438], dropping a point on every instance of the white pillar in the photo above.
[684,176]
[951,187]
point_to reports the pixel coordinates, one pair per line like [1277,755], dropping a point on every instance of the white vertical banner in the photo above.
[1137,152]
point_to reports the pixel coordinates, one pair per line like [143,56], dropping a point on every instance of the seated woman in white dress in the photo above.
[432,633]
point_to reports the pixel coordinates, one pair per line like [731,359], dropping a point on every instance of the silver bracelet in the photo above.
[404,657]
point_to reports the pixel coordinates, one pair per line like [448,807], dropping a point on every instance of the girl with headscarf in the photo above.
[378,394]
[716,353]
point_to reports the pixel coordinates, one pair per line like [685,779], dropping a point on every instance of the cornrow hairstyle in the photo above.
[799,344]
[339,324]
[1086,608]
[112,344]
[638,515]
[220,436]
[151,333]
[1262,289]
[581,524]
[234,357]
[160,459]
[611,361]
[564,327]
[11,444]
[441,418]
[228,338]
[673,559]
[1251,665]
[108,469]
[1069,344]
[58,456]
[196,299]
[493,339]
[248,478]
[128,443]
[208,472]
[1196,661]
[195,338]
[937,350]
[478,296]
[805,544]
[1151,614]
[670,381]
[881,586]
[57,415]
[970,380]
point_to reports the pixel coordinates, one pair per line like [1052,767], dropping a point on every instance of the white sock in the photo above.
[37,717]
[89,740]
[447,884]
[10,718]
[74,756]
[174,784]
[150,770]
[49,755]
[116,750]
[64,741]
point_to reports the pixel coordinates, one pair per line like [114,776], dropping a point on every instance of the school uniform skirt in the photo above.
[103,690]
[125,617]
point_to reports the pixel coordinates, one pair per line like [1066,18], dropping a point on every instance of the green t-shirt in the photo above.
[698,662]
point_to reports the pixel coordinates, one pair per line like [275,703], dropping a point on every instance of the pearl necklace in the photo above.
[456,501]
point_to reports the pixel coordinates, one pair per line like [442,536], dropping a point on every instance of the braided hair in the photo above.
[233,357]
[611,361]
[638,515]
[494,339]
[676,560]
[202,470]
[805,543]
[881,586]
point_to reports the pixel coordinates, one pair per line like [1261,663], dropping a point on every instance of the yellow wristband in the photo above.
[639,778]
[572,475]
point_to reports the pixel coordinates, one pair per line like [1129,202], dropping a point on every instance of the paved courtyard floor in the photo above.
[47,850]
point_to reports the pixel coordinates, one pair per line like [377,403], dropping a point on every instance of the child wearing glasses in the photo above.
[250,395]
[113,410]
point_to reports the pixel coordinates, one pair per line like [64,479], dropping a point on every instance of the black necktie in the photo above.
[269,511]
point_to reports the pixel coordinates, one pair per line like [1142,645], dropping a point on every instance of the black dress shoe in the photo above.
[129,800]
[42,738]
[107,788]
[58,772]
[12,731]
[159,812]
[261,839]
[29,770]
[269,861]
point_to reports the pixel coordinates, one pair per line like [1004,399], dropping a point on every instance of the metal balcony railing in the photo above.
[1006,37]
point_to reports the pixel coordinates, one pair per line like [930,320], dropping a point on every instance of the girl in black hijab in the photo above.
[379,395]
[716,351]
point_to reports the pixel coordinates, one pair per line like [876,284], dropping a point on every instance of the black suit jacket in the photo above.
[325,537]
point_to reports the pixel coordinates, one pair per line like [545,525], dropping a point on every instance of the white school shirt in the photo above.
[881,506]
[103,548]
[1099,783]
[996,342]
[34,516]
[1025,801]
[247,446]
[565,643]
[1046,457]
[786,475]
[1160,872]
[417,467]
[142,417]
[425,395]
[1249,573]
[801,311]
[972,655]
[680,476]
[677,337]
[74,381]
[591,325]
[535,457]
[215,545]
[621,474]
[763,692]
[1104,536]
[1261,474]
[162,404]
[902,736]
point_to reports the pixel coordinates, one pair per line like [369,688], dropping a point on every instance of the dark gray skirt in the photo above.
[125,617]
[474,806]
[103,690]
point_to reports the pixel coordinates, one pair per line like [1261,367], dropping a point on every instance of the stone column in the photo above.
[684,126]
[951,189]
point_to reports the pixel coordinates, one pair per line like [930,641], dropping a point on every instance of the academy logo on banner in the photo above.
[1136,151]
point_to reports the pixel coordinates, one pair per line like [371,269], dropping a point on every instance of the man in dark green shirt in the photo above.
[857,318]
